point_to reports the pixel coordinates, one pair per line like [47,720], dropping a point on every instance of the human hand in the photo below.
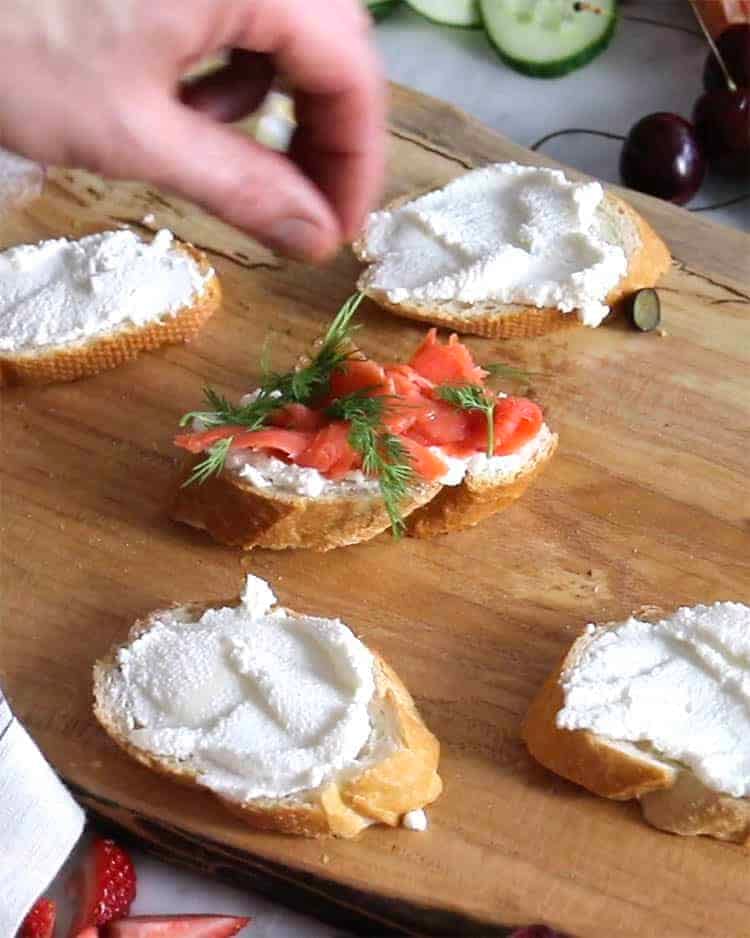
[97,84]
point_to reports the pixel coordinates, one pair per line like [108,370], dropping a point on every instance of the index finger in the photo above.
[329,60]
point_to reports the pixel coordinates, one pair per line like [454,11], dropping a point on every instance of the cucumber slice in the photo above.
[449,12]
[548,38]
[381,8]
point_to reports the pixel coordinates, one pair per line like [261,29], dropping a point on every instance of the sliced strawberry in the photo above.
[177,926]
[40,922]
[358,375]
[330,450]
[424,463]
[106,886]
[298,417]
[446,364]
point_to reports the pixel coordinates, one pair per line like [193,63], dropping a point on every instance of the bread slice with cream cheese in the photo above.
[150,696]
[676,684]
[99,302]
[647,259]
[237,512]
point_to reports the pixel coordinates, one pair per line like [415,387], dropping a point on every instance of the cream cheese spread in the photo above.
[265,471]
[505,233]
[63,292]
[259,701]
[681,687]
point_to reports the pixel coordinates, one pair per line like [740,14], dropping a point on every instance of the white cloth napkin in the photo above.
[39,823]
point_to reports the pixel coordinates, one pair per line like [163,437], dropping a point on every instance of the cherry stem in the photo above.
[714,48]
[575,130]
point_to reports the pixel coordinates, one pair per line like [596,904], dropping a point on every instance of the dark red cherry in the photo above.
[661,156]
[722,126]
[734,48]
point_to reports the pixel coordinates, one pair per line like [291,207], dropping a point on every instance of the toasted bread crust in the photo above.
[403,781]
[477,498]
[580,756]
[61,363]
[672,799]
[690,809]
[516,321]
[236,513]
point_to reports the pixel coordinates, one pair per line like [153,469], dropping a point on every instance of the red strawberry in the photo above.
[106,886]
[178,926]
[40,922]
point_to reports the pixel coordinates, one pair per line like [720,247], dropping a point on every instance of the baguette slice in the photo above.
[405,779]
[479,496]
[648,259]
[101,352]
[237,513]
[671,797]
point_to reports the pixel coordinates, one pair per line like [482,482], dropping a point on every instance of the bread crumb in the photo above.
[325,859]
[149,219]
[662,332]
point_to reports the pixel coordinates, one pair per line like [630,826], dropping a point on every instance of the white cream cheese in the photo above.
[505,233]
[63,292]
[680,686]
[261,702]
[265,471]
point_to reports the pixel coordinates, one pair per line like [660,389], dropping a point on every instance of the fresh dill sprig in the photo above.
[303,384]
[212,464]
[472,397]
[277,389]
[383,454]
[252,415]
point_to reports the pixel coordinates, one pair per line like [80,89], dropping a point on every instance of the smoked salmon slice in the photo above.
[517,421]
[359,375]
[424,463]
[446,364]
[329,451]
[201,440]
[290,442]
[298,417]
[412,410]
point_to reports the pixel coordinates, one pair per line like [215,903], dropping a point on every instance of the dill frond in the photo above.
[472,397]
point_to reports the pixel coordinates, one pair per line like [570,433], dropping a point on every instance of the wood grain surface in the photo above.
[646,502]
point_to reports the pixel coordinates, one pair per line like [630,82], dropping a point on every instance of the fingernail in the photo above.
[298,238]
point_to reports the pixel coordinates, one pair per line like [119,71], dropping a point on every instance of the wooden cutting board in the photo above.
[645,503]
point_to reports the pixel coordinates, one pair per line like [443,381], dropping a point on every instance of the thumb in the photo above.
[244,183]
